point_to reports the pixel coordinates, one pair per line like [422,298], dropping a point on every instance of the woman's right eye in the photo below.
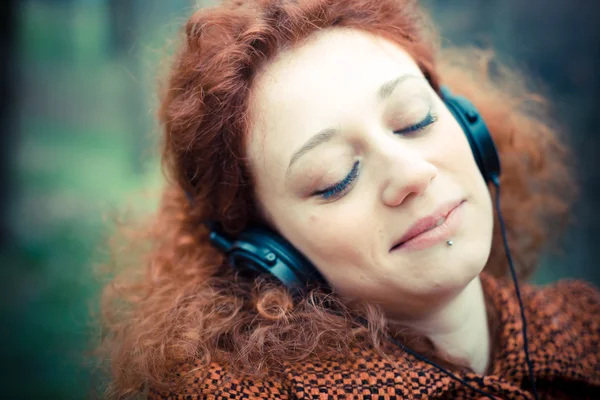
[339,189]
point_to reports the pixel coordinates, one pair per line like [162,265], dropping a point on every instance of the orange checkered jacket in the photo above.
[563,330]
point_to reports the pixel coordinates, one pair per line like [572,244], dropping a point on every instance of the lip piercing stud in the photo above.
[450,242]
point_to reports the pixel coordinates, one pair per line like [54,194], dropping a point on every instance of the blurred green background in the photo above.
[78,137]
[82,139]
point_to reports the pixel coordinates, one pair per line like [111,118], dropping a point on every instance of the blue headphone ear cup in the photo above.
[262,251]
[481,141]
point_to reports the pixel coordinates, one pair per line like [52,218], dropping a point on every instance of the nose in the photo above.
[408,174]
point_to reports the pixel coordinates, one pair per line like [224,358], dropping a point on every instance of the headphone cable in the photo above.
[496,182]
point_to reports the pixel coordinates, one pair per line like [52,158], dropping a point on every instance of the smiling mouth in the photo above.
[430,230]
[437,224]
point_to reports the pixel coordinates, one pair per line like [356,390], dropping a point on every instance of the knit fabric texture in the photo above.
[563,330]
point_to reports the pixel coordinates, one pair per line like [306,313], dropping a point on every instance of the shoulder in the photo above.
[214,382]
[571,306]
[563,330]
[576,298]
[566,328]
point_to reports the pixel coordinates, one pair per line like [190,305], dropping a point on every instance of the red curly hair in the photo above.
[175,299]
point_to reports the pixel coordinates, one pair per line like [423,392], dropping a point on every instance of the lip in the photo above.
[423,232]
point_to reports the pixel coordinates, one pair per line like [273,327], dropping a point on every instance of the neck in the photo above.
[459,330]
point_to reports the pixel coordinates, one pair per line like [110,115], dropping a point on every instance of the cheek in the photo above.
[338,240]
[335,236]
[484,198]
[453,154]
[456,145]
[449,137]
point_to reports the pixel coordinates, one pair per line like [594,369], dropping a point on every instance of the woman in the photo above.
[324,124]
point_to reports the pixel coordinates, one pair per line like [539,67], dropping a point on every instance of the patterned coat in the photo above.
[563,327]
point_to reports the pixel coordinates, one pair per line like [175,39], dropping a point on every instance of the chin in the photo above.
[452,277]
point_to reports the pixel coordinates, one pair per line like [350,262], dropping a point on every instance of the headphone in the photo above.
[262,251]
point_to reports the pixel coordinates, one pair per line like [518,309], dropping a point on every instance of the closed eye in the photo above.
[413,129]
[340,188]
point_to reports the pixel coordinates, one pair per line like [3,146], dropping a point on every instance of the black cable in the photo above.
[496,183]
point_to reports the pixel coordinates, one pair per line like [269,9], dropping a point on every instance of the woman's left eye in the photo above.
[428,120]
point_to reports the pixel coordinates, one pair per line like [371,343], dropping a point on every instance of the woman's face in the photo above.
[350,147]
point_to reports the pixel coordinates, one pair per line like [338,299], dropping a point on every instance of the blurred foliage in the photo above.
[85,140]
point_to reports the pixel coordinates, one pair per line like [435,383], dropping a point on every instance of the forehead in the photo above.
[316,86]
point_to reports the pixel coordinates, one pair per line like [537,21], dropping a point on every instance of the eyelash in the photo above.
[340,188]
[429,119]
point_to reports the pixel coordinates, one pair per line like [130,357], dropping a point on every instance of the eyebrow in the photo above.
[387,88]
[326,134]
[321,137]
